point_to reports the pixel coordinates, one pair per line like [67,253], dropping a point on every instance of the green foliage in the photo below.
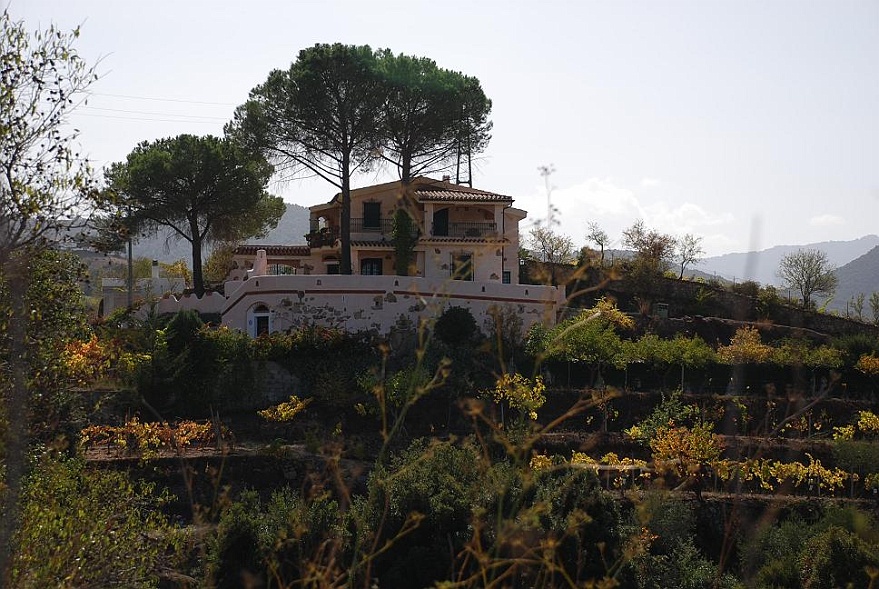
[202,189]
[799,352]
[46,182]
[323,114]
[671,412]
[57,316]
[768,302]
[456,327]
[404,238]
[438,483]
[855,345]
[684,566]
[277,543]
[838,558]
[430,114]
[590,338]
[810,273]
[520,393]
[89,528]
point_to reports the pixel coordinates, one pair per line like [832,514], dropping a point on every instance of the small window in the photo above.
[372,213]
[371,266]
[332,267]
[506,277]
[462,266]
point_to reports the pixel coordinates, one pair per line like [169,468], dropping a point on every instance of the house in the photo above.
[462,251]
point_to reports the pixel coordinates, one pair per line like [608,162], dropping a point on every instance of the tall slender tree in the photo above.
[323,115]
[430,115]
[201,188]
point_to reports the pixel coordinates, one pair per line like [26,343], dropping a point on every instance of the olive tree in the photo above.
[809,272]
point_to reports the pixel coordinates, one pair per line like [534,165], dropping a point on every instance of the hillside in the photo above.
[291,229]
[762,266]
[858,276]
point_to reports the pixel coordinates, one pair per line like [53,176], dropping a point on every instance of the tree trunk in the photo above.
[345,255]
[15,274]
[406,168]
[197,273]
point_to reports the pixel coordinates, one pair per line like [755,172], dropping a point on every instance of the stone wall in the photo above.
[367,303]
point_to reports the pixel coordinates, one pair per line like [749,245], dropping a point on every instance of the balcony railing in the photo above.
[322,237]
[462,230]
[371,225]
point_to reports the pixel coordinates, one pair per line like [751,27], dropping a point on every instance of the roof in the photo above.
[382,244]
[428,190]
[431,239]
[273,250]
[440,190]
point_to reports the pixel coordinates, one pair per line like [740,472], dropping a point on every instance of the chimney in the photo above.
[155,269]
[447,178]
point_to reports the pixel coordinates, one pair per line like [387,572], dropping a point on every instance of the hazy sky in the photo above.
[750,124]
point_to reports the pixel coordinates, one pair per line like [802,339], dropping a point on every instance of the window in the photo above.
[441,223]
[281,270]
[333,267]
[506,277]
[462,266]
[371,266]
[372,213]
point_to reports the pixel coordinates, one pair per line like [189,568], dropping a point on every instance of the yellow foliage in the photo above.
[520,393]
[868,423]
[746,347]
[868,364]
[286,411]
[89,362]
[540,462]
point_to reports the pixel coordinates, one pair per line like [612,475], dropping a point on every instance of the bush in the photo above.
[89,528]
[837,558]
[456,327]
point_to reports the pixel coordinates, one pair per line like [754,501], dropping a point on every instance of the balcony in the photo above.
[464,230]
[324,237]
[371,225]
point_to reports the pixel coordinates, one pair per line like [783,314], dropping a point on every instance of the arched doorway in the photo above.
[259,320]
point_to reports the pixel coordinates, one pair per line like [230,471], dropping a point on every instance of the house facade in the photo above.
[462,251]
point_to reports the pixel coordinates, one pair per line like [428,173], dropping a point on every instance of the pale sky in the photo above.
[748,123]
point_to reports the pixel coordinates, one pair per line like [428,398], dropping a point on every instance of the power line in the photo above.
[100,116]
[131,97]
[160,114]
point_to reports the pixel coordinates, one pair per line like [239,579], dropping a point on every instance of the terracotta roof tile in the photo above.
[382,243]
[461,195]
[273,250]
[463,240]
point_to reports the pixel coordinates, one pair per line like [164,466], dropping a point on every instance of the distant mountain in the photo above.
[762,266]
[858,276]
[291,230]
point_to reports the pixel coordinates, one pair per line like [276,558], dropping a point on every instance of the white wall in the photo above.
[356,303]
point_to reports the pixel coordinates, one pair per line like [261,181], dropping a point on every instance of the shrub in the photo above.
[456,327]
[837,558]
[89,528]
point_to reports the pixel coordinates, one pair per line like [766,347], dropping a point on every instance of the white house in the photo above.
[465,254]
